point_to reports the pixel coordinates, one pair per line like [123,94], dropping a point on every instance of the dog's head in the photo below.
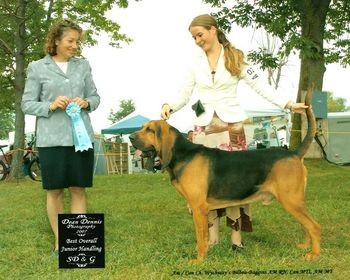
[155,138]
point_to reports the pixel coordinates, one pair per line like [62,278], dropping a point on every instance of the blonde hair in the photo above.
[56,32]
[234,58]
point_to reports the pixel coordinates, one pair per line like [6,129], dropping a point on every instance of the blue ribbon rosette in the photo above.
[81,138]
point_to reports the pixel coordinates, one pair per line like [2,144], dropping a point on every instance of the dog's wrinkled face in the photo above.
[153,139]
[145,138]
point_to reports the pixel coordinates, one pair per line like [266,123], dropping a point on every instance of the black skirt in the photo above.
[62,167]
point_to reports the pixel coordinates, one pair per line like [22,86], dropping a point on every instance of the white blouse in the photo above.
[63,66]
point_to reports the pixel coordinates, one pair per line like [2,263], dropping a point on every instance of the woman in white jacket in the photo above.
[219,116]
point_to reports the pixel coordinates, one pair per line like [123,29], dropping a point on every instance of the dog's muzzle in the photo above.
[148,152]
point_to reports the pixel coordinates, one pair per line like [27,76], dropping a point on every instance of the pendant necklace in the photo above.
[213,75]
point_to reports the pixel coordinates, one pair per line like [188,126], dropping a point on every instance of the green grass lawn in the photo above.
[149,233]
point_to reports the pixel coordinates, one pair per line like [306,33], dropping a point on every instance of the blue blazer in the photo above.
[45,81]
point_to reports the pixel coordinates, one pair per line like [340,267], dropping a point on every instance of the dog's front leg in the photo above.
[200,218]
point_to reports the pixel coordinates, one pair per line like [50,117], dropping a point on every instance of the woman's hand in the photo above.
[297,107]
[81,102]
[60,102]
[165,112]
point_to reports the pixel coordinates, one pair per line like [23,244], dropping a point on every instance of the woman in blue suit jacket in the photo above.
[52,83]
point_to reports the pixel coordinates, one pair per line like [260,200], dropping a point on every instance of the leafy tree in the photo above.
[6,123]
[23,26]
[335,104]
[6,102]
[126,107]
[317,29]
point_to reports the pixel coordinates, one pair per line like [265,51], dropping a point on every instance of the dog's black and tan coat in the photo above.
[210,178]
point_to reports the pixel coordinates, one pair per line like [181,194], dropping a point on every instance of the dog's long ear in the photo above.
[165,142]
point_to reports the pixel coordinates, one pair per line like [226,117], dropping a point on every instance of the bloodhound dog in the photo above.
[209,178]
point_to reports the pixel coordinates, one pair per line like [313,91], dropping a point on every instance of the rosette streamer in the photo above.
[81,138]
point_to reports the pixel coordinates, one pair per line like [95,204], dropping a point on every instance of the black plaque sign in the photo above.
[81,241]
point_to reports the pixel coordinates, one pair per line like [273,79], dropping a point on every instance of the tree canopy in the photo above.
[6,123]
[284,19]
[126,107]
[335,104]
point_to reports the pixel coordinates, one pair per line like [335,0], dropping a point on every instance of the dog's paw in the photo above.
[311,256]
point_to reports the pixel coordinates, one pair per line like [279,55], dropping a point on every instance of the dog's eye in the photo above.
[148,129]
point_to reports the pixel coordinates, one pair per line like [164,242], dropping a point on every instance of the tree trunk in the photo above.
[16,169]
[313,18]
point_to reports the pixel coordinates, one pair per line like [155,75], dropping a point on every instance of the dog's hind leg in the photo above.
[289,189]
[311,228]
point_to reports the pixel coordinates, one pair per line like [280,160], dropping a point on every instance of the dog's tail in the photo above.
[311,126]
